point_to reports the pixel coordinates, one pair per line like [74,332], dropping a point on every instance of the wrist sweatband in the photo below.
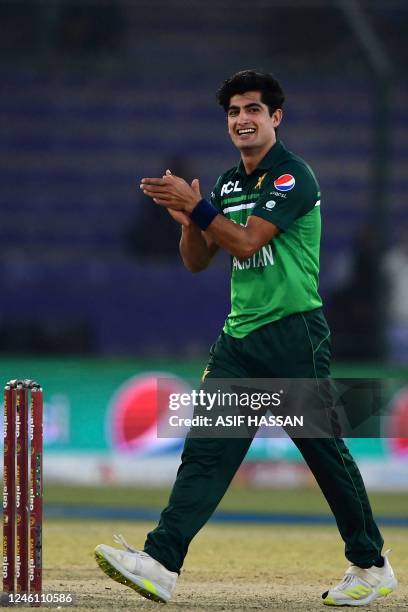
[203,214]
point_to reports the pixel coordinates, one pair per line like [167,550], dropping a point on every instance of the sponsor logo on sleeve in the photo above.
[285,182]
[270,204]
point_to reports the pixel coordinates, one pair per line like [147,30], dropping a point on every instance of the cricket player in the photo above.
[265,213]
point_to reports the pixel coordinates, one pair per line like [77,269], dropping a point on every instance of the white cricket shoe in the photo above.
[362,586]
[137,570]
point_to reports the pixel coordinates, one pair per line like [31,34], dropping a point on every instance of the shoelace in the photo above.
[345,582]
[119,539]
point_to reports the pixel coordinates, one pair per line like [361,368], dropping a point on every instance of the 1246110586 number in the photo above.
[64,599]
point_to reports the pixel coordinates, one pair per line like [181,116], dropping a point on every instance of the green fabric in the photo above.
[295,347]
[281,278]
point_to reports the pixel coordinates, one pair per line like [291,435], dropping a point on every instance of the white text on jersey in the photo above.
[229,187]
[261,259]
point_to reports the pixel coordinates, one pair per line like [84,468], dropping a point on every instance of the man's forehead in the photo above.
[248,97]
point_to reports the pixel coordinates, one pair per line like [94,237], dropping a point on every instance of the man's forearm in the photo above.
[240,241]
[234,238]
[194,250]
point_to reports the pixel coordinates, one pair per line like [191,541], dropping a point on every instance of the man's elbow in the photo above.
[246,250]
[195,266]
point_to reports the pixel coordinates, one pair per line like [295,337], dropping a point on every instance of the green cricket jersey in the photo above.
[281,278]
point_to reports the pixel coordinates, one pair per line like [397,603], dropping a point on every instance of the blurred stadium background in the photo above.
[94,300]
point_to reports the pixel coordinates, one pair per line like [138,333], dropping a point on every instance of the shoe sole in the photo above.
[142,588]
[330,601]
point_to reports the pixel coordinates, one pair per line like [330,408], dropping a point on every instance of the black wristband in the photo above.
[203,214]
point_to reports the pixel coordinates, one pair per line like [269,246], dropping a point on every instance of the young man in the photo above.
[266,213]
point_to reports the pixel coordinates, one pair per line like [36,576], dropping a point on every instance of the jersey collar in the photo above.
[267,162]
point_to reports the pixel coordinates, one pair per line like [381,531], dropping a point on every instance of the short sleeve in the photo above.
[290,193]
[215,195]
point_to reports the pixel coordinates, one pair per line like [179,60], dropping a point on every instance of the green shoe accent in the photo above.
[329,601]
[384,591]
[149,586]
[358,592]
[149,590]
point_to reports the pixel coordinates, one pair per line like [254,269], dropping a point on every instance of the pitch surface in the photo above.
[229,567]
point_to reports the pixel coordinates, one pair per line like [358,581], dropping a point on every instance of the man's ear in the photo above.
[277,117]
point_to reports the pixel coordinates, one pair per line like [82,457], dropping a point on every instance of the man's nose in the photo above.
[243,116]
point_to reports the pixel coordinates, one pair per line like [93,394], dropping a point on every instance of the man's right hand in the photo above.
[180,217]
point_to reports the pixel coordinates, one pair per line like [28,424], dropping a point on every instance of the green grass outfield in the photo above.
[229,567]
[297,500]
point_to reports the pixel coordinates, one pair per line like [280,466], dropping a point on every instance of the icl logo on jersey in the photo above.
[285,182]
[229,187]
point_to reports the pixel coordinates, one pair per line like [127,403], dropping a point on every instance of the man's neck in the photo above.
[252,157]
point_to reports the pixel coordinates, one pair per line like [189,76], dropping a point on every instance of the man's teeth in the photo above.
[246,131]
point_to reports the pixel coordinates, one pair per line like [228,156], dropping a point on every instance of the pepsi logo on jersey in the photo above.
[285,182]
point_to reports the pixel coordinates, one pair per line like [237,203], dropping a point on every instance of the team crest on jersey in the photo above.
[260,181]
[285,182]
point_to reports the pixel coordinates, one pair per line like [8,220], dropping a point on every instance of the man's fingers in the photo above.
[166,179]
[169,191]
[179,216]
[154,181]
[158,193]
[163,198]
[195,185]
[155,188]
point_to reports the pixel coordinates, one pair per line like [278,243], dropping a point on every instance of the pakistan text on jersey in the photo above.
[260,259]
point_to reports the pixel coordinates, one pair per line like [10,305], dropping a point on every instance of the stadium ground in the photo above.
[238,498]
[232,566]
[229,567]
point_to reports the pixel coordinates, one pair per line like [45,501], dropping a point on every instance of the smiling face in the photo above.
[249,123]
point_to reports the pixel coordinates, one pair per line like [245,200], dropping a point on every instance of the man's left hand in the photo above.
[173,192]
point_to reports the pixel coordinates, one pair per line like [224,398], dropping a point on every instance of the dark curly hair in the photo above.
[251,80]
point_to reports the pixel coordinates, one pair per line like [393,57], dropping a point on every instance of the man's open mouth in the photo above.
[246,131]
